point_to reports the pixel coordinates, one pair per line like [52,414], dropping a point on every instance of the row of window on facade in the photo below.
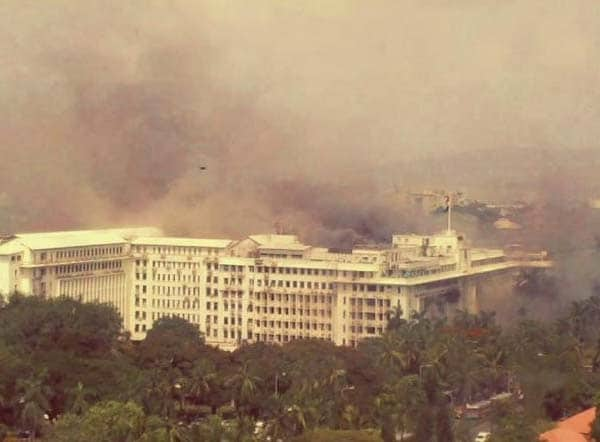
[170,277]
[215,306]
[215,319]
[295,271]
[157,315]
[369,302]
[270,310]
[190,317]
[294,284]
[282,270]
[232,293]
[175,250]
[89,267]
[175,303]
[279,297]
[82,253]
[309,285]
[368,287]
[293,310]
[315,285]
[411,273]
[368,330]
[293,325]
[280,283]
[369,316]
[232,333]
[168,290]
[173,265]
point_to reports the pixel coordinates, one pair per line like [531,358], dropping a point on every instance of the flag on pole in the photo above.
[447,203]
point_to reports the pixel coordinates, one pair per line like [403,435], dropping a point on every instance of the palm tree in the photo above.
[390,356]
[493,360]
[395,319]
[399,406]
[80,403]
[200,382]
[159,394]
[306,410]
[466,366]
[436,356]
[34,401]
[312,405]
[243,384]
[411,340]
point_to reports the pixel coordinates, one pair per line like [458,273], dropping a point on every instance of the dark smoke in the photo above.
[317,116]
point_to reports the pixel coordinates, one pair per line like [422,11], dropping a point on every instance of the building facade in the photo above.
[90,265]
[269,288]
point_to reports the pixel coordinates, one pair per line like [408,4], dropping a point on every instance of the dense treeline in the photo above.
[67,372]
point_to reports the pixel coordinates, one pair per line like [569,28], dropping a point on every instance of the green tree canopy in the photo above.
[35,324]
[109,421]
[172,342]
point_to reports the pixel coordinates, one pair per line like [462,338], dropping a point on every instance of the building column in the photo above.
[404,303]
[469,297]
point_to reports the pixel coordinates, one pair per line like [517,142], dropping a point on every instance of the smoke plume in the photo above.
[221,118]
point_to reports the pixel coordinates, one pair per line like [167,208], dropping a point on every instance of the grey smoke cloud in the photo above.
[308,113]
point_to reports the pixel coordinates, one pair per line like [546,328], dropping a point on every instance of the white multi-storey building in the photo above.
[91,265]
[268,288]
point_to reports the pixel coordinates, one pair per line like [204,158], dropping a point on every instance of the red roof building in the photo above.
[573,429]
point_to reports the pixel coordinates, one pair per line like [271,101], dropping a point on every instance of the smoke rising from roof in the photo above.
[307,113]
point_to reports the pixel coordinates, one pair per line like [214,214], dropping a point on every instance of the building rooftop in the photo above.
[573,429]
[278,242]
[81,238]
[183,242]
[44,241]
[281,246]
[11,247]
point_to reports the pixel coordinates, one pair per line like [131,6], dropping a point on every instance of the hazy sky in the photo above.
[297,108]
